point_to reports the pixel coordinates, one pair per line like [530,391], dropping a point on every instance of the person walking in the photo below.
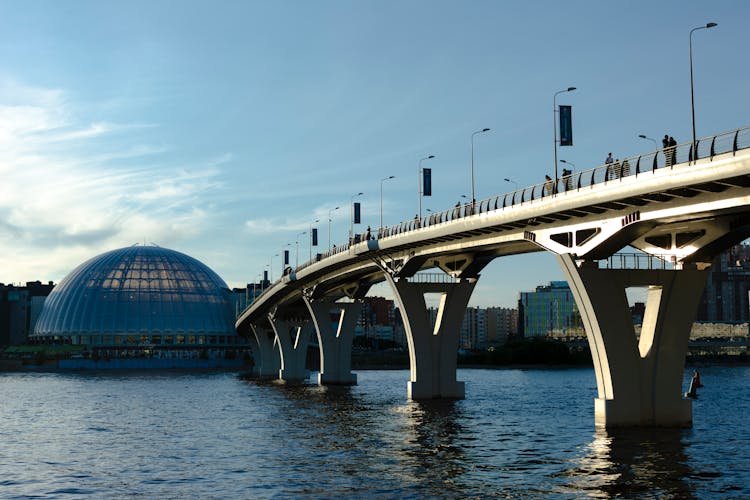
[610,171]
[665,148]
[673,150]
[549,185]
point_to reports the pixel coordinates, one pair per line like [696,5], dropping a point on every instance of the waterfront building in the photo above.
[377,319]
[725,298]
[19,310]
[502,324]
[139,298]
[243,297]
[549,310]
[474,329]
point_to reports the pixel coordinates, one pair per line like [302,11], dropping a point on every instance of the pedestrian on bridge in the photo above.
[549,185]
[609,172]
[665,145]
[567,179]
[673,151]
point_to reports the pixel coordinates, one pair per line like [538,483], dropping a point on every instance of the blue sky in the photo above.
[222,129]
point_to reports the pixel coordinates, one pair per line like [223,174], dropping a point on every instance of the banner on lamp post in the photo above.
[427,181]
[357,213]
[566,126]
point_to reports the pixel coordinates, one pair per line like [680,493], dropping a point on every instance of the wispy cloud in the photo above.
[69,191]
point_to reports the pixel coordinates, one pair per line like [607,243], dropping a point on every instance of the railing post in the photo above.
[734,145]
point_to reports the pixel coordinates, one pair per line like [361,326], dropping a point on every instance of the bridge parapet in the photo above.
[707,148]
[602,175]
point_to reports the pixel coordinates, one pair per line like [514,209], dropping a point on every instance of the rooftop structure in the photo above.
[139,295]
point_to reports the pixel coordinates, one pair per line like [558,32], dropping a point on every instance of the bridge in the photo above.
[681,205]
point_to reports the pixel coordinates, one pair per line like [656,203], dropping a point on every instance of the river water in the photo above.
[518,434]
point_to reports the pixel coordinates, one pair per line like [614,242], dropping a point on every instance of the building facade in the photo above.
[725,299]
[139,298]
[20,307]
[550,310]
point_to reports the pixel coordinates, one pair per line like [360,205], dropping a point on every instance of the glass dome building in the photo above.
[139,296]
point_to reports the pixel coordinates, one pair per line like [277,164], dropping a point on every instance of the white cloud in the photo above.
[69,191]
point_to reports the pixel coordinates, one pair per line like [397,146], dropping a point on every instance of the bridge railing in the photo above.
[707,147]
[636,260]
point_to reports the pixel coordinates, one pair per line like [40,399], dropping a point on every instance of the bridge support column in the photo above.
[433,352]
[266,357]
[335,343]
[639,382]
[293,338]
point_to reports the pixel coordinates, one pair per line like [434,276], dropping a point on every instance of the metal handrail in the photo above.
[707,147]
[635,260]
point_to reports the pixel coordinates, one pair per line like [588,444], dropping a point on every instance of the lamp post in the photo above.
[311,235]
[568,163]
[554,123]
[656,144]
[419,182]
[511,180]
[381,198]
[692,97]
[270,267]
[351,209]
[329,226]
[296,248]
[473,198]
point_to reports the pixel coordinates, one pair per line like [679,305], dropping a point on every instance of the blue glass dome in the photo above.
[139,295]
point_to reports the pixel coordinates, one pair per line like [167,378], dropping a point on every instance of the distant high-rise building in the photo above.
[474,329]
[378,320]
[502,323]
[549,310]
[725,298]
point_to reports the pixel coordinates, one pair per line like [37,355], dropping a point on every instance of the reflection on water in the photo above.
[518,434]
[432,449]
[414,443]
[635,462]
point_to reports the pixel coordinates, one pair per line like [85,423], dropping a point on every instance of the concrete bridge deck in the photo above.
[672,204]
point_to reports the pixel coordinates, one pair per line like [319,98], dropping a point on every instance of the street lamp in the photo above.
[656,144]
[473,199]
[329,226]
[568,163]
[381,197]
[419,182]
[296,248]
[554,123]
[351,220]
[511,180]
[311,235]
[270,267]
[692,97]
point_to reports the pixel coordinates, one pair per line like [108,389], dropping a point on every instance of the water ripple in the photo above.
[518,434]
